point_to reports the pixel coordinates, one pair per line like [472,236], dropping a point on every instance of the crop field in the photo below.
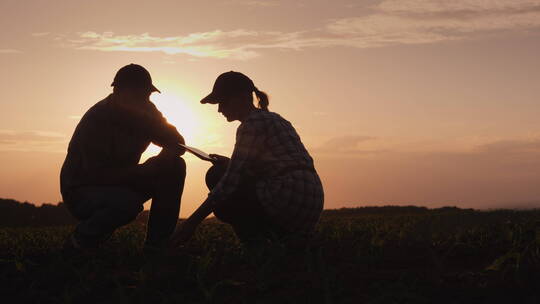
[365,255]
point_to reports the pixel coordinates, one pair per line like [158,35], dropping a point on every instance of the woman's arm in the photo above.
[249,138]
[188,227]
[201,213]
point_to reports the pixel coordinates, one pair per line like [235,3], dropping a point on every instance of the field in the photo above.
[365,255]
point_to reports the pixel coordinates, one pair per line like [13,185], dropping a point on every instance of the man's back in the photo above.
[108,138]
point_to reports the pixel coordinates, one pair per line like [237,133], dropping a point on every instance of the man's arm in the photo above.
[114,176]
[94,141]
[148,120]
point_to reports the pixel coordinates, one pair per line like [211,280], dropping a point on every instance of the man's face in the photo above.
[135,96]
[141,94]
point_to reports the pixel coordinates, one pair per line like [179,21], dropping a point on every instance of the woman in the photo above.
[269,188]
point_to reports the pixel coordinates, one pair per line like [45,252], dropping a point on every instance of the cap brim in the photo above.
[211,98]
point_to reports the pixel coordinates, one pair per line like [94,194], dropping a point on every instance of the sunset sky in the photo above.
[429,103]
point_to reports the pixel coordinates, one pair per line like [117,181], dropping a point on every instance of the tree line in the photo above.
[23,214]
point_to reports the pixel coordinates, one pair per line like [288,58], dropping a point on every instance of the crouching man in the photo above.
[102,183]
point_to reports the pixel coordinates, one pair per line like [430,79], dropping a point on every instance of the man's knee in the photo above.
[174,168]
[179,165]
[128,210]
[177,171]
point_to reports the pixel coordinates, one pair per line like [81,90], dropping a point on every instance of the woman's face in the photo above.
[226,107]
[233,107]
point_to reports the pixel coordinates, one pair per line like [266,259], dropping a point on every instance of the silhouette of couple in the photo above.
[267,189]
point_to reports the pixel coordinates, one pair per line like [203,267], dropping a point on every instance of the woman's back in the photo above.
[288,186]
[275,144]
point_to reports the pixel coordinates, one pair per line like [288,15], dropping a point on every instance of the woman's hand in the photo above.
[186,230]
[183,233]
[220,160]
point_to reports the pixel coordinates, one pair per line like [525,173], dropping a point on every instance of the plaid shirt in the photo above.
[109,136]
[269,150]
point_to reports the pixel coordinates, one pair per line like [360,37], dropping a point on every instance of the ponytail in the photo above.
[262,99]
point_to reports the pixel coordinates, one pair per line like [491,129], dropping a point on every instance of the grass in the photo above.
[437,256]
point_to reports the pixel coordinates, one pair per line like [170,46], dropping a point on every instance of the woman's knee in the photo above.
[224,215]
[213,175]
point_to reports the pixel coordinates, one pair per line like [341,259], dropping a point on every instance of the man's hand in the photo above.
[181,150]
[158,163]
[152,166]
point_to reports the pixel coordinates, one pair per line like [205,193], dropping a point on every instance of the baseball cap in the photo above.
[227,84]
[133,76]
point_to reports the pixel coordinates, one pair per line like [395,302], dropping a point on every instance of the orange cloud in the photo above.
[415,22]
[389,22]
[503,173]
[216,44]
[32,141]
[354,145]
[9,51]
[255,3]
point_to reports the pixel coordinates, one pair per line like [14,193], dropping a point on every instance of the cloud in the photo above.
[417,22]
[32,141]
[353,145]
[513,151]
[216,44]
[389,22]
[460,8]
[40,34]
[9,51]
[512,146]
[254,3]
[503,173]
[359,145]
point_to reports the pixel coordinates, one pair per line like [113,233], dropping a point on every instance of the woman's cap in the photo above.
[133,76]
[227,84]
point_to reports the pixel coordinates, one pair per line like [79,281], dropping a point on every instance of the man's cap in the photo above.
[133,76]
[227,84]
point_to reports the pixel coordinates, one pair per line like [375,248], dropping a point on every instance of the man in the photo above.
[102,183]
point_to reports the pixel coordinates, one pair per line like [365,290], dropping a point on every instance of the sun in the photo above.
[200,126]
[180,114]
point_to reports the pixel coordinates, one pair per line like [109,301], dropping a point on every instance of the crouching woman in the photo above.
[269,188]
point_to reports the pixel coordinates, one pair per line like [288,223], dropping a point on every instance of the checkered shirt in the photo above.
[109,136]
[269,150]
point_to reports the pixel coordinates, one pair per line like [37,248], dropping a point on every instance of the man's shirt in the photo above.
[112,137]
